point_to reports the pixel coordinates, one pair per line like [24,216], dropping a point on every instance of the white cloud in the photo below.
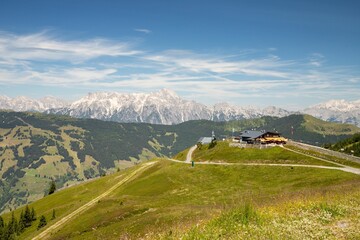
[142,30]
[186,60]
[317,59]
[41,46]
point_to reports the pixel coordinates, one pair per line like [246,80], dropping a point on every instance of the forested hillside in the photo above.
[350,145]
[36,149]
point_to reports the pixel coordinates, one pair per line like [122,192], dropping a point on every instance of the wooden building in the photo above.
[263,137]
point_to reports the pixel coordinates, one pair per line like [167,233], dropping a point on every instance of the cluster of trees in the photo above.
[15,227]
[66,157]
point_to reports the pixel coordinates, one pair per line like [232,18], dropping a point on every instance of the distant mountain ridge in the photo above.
[166,107]
[162,107]
[336,111]
[22,104]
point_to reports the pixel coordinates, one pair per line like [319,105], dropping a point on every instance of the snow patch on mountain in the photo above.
[22,103]
[337,111]
[166,107]
[162,107]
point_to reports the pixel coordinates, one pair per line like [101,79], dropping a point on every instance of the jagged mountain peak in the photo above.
[23,103]
[167,107]
[338,105]
[167,93]
[337,111]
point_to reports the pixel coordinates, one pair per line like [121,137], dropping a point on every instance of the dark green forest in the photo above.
[349,145]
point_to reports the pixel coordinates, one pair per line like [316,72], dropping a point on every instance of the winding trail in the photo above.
[344,169]
[189,154]
[47,232]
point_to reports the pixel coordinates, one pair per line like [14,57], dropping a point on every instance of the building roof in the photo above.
[205,140]
[250,134]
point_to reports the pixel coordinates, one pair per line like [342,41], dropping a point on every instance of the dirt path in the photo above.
[344,169]
[321,159]
[47,232]
[341,167]
[325,151]
[189,154]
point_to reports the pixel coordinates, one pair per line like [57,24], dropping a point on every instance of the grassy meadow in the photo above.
[324,156]
[169,200]
[222,152]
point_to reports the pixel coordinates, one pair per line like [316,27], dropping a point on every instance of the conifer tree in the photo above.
[1,232]
[33,214]
[52,187]
[11,227]
[42,222]
[1,222]
[16,227]
[53,215]
[27,217]
[4,232]
[21,224]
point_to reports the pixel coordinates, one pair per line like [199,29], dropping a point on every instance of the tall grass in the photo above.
[330,217]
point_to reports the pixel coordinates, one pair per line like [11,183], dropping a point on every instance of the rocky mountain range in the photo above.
[22,104]
[162,107]
[336,111]
[166,107]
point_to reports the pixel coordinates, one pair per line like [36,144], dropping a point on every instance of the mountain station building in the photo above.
[262,137]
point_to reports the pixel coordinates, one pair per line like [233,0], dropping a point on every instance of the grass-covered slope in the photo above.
[350,145]
[224,152]
[170,198]
[331,216]
[324,154]
[36,149]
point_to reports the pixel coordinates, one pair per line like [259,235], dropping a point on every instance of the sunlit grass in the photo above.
[222,152]
[170,196]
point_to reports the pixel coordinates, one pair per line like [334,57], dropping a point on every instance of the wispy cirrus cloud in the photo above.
[41,46]
[142,30]
[316,59]
[189,61]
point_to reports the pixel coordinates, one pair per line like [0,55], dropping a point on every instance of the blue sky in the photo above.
[290,54]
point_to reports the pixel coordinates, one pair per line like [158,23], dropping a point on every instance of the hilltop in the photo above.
[167,200]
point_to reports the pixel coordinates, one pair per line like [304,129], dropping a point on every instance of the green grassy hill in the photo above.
[224,152]
[171,200]
[350,145]
[36,148]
